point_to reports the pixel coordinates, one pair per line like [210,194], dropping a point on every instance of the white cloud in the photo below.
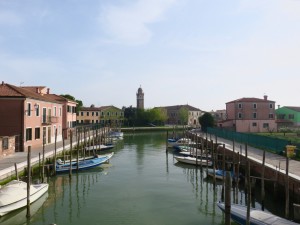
[130,24]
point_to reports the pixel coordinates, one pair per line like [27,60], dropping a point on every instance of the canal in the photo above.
[142,185]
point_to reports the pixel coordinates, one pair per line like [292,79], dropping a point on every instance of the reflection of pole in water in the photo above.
[167,162]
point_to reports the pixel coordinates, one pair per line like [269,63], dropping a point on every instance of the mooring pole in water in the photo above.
[54,160]
[43,157]
[28,181]
[71,142]
[77,156]
[263,182]
[167,142]
[228,198]
[237,177]
[213,162]
[16,171]
[248,193]
[287,189]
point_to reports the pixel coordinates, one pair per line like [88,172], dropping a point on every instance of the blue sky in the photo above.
[199,52]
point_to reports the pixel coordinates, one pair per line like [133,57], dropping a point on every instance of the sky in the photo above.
[198,52]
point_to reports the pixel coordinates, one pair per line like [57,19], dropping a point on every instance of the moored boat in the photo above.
[257,217]
[180,142]
[99,147]
[13,195]
[219,174]
[83,164]
[193,160]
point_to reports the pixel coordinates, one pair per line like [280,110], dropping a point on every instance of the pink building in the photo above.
[29,114]
[68,113]
[250,115]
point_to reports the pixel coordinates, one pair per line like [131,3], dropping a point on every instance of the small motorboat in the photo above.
[257,216]
[193,160]
[13,195]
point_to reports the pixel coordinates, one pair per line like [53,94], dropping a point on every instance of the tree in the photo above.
[206,120]
[72,98]
[183,115]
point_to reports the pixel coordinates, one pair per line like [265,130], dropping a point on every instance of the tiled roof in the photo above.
[178,107]
[250,100]
[8,90]
[294,108]
[96,108]
[59,98]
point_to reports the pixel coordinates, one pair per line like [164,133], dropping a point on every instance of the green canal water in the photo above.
[142,185]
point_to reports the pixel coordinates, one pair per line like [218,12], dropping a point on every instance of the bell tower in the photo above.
[140,98]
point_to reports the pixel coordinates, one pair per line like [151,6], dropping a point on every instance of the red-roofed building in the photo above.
[250,115]
[28,113]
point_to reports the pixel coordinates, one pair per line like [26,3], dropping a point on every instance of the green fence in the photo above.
[274,145]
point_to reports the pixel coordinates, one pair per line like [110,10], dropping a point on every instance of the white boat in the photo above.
[219,174]
[257,217]
[115,134]
[193,160]
[19,216]
[181,141]
[99,147]
[13,195]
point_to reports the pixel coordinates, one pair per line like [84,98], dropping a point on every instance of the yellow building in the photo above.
[104,115]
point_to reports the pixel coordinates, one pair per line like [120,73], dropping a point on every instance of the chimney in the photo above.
[48,91]
[265,97]
[37,90]
[2,82]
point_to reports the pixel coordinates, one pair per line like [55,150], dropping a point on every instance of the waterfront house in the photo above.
[250,115]
[104,116]
[29,115]
[68,113]
[175,115]
[288,116]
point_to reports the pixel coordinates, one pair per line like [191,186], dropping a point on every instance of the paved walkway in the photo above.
[272,160]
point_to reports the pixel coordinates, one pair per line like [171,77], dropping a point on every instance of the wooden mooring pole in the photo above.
[28,181]
[54,160]
[16,171]
[43,157]
[228,198]
[287,189]
[71,142]
[263,182]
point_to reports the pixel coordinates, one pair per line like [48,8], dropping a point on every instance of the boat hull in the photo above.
[193,161]
[36,191]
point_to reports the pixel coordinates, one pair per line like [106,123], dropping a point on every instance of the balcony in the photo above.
[47,120]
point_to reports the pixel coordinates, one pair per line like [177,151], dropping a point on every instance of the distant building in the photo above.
[288,116]
[140,99]
[174,117]
[7,145]
[219,115]
[250,115]
[29,114]
[104,115]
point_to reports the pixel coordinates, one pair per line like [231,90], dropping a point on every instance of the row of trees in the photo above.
[141,117]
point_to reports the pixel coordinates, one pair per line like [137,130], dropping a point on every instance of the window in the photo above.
[4,143]
[265,125]
[240,105]
[81,113]
[116,113]
[254,106]
[93,113]
[87,113]
[37,110]
[54,110]
[28,134]
[107,113]
[37,133]
[68,108]
[96,121]
[240,115]
[291,116]
[28,109]
[271,106]
[102,113]
[60,111]
[81,121]
[97,113]
[254,124]
[271,116]
[254,115]
[281,116]
[92,121]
